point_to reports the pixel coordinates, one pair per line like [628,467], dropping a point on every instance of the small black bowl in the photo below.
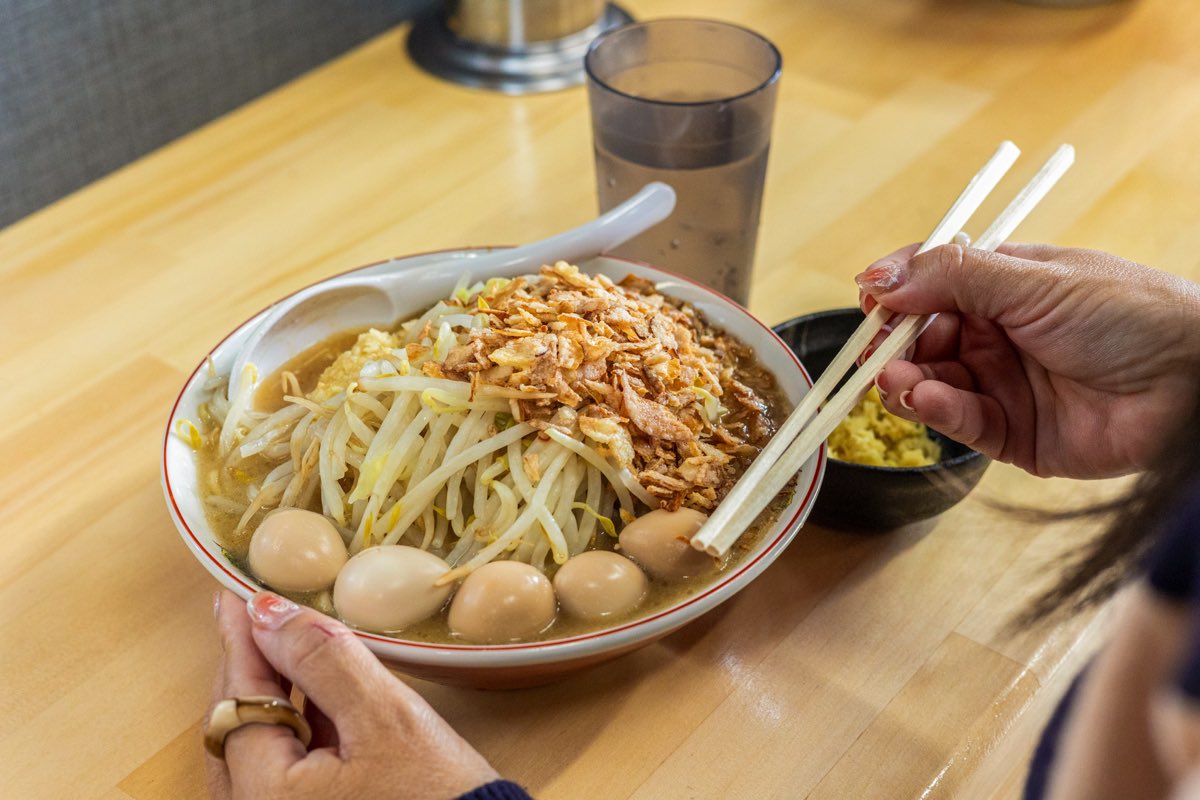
[862,497]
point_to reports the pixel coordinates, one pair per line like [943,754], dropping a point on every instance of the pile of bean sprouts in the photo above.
[399,457]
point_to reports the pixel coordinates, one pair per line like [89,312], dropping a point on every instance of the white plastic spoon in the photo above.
[318,312]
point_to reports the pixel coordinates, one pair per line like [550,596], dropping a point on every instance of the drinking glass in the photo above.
[688,102]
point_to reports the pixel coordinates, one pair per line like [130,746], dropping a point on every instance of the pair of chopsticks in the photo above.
[797,439]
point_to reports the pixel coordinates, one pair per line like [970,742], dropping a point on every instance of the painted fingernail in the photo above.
[216,605]
[881,277]
[879,387]
[906,400]
[270,611]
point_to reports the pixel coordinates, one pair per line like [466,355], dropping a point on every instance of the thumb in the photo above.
[1007,287]
[319,655]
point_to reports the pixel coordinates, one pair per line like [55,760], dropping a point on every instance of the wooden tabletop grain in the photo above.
[855,667]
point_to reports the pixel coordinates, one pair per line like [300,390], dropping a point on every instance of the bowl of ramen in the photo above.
[884,472]
[498,489]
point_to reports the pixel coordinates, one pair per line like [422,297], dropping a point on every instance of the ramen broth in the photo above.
[307,368]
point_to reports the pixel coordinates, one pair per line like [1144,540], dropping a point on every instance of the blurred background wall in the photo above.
[86,87]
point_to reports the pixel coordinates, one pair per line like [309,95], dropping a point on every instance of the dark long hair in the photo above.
[1134,521]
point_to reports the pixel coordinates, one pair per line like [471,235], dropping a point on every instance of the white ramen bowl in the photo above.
[434,276]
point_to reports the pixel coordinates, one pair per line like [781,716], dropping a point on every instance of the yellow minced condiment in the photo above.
[873,436]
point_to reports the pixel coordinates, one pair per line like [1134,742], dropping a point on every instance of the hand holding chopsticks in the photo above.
[798,438]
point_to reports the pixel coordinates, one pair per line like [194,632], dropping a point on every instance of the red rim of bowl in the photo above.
[539,645]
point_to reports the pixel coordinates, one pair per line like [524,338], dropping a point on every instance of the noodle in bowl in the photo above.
[434,278]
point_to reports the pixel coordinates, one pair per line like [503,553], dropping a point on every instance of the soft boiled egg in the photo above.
[389,587]
[661,542]
[294,550]
[599,583]
[502,602]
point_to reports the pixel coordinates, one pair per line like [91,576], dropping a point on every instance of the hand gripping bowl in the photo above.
[434,276]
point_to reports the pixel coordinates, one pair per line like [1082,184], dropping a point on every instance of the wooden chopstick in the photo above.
[976,190]
[795,442]
[1027,199]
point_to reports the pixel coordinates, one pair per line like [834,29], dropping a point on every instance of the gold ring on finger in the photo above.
[232,713]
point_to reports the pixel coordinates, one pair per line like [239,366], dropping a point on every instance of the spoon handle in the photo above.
[648,207]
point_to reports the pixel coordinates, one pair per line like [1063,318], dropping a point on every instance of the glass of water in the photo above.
[688,102]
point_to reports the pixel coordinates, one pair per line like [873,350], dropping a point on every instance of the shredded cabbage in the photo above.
[458,320]
[495,284]
[460,290]
[712,406]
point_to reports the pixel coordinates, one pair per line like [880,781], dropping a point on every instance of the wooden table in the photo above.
[856,667]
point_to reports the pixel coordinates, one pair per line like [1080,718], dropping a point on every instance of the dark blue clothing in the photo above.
[1047,749]
[1172,571]
[496,790]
